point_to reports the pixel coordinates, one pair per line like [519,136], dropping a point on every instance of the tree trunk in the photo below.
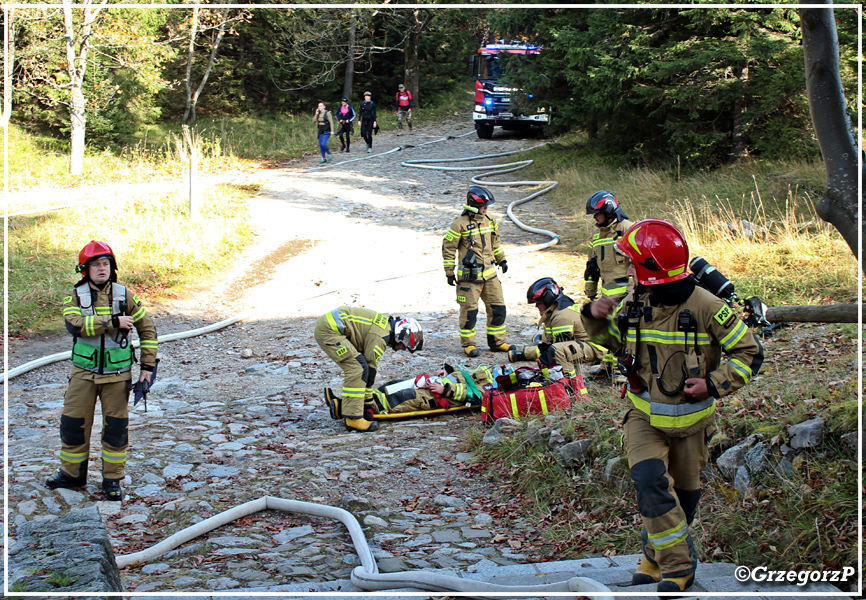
[738,137]
[8,65]
[833,128]
[193,102]
[76,64]
[349,78]
[834,313]
[187,82]
[418,20]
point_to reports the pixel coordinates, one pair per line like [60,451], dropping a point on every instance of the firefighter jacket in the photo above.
[480,234]
[610,278]
[96,342]
[664,352]
[463,387]
[562,323]
[367,330]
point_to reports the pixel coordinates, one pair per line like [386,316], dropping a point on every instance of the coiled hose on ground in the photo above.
[499,170]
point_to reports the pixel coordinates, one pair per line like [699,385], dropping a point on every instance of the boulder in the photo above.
[807,434]
[573,454]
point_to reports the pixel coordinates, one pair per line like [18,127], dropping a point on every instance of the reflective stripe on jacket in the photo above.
[613,265]
[481,234]
[664,351]
[366,329]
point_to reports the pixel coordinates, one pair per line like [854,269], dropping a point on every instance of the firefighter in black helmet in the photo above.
[606,274]
[563,341]
[471,251]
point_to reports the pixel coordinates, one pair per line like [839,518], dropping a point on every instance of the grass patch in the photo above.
[157,246]
[753,220]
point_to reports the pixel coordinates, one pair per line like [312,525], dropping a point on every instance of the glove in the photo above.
[504,266]
[451,280]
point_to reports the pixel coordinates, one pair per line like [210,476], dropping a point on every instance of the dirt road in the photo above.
[238,413]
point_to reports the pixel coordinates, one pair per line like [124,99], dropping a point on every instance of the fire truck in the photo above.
[497,104]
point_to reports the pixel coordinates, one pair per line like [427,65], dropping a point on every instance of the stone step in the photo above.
[614,572]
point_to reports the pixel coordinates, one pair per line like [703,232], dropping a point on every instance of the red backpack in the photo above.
[530,391]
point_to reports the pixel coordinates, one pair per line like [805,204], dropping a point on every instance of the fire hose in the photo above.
[499,170]
[366,576]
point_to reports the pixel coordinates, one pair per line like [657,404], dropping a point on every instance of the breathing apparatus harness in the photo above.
[471,269]
[712,280]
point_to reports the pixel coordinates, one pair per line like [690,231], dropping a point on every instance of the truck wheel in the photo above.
[484,130]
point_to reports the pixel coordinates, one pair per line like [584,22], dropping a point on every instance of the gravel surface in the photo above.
[238,414]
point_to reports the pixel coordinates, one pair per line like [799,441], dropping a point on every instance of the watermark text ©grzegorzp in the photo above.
[763,574]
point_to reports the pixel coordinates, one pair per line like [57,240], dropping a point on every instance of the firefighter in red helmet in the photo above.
[670,336]
[100,315]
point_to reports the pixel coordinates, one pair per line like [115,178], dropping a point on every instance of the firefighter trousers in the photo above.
[489,292]
[357,391]
[666,475]
[76,422]
[568,354]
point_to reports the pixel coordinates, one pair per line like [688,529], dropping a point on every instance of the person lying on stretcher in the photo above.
[449,389]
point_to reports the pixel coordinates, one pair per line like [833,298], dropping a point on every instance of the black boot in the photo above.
[62,480]
[516,356]
[113,491]
[333,404]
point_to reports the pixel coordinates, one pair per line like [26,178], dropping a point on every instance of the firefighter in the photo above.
[670,335]
[472,248]
[356,338]
[564,341]
[606,274]
[100,315]
[449,388]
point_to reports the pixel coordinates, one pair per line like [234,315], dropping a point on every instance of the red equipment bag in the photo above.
[529,391]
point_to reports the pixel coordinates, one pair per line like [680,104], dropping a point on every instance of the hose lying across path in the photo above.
[366,576]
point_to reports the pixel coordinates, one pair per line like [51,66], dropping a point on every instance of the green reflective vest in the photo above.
[101,354]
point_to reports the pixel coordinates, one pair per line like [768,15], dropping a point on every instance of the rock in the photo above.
[535,435]
[734,457]
[443,500]
[852,440]
[222,583]
[246,353]
[742,481]
[556,439]
[354,504]
[501,428]
[71,497]
[756,458]
[785,468]
[374,521]
[154,568]
[573,454]
[482,520]
[27,508]
[807,434]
